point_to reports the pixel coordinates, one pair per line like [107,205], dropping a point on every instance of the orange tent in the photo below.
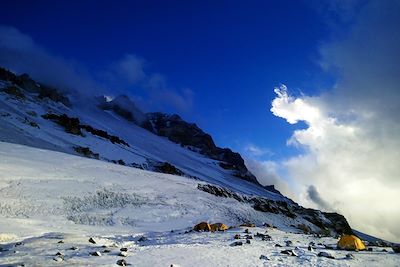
[203,226]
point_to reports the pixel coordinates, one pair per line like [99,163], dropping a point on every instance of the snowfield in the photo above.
[51,202]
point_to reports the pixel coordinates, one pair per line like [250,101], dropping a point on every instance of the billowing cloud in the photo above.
[315,197]
[351,143]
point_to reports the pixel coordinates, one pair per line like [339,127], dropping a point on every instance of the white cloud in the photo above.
[255,151]
[267,174]
[354,170]
[351,143]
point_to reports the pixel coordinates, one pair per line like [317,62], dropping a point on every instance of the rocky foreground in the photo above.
[242,246]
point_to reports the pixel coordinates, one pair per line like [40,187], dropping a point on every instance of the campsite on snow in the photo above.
[199,133]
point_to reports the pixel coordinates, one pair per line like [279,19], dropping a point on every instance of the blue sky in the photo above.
[229,54]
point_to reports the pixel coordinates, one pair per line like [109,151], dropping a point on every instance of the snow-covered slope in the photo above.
[48,196]
[48,190]
[22,122]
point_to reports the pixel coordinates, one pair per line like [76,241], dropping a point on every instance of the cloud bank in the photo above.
[351,162]
[127,75]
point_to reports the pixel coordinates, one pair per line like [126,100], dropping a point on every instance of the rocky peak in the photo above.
[124,107]
[190,135]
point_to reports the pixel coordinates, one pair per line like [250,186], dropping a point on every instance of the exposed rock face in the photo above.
[73,126]
[53,94]
[168,168]
[29,85]
[180,132]
[85,151]
[329,223]
[189,134]
[124,107]
[272,188]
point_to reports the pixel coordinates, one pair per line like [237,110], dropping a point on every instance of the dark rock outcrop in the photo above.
[190,135]
[73,126]
[14,91]
[220,192]
[168,168]
[124,107]
[85,151]
[331,224]
[28,84]
[272,188]
[53,94]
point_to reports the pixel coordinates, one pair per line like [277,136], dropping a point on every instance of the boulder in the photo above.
[264,257]
[289,252]
[122,262]
[326,255]
[95,253]
[236,243]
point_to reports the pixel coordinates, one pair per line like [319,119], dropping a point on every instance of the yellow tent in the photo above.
[203,226]
[218,227]
[350,242]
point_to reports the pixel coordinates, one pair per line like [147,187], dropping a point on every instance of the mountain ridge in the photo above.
[158,142]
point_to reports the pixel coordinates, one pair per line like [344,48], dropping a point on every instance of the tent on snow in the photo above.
[350,242]
[203,226]
[218,227]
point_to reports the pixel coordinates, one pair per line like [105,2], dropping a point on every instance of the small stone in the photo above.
[249,237]
[59,254]
[349,256]
[142,239]
[246,231]
[73,248]
[18,244]
[123,254]
[58,259]
[278,246]
[96,253]
[237,243]
[106,251]
[263,257]
[326,255]
[384,250]
[122,262]
[288,243]
[311,244]
[289,252]
[237,236]
[248,241]
[370,249]
[266,238]
[310,248]
[91,240]
[124,249]
[60,242]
